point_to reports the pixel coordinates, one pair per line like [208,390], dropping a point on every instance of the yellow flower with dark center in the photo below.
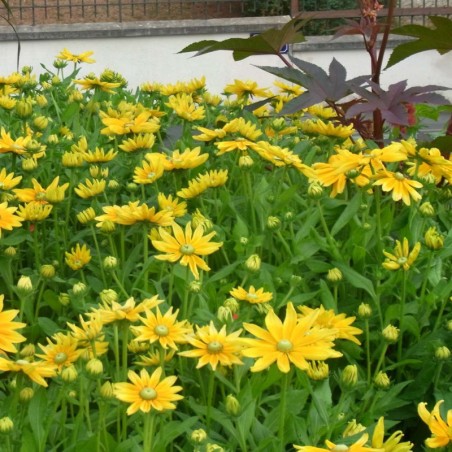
[402,188]
[186,247]
[184,106]
[99,156]
[83,57]
[402,257]
[36,370]
[251,295]
[17,146]
[7,180]
[8,334]
[392,444]
[294,341]
[175,206]
[148,392]
[357,446]
[340,324]
[190,158]
[441,429]
[90,188]
[162,328]
[78,257]
[8,220]
[34,212]
[245,89]
[215,347]
[319,127]
[129,310]
[151,169]
[95,83]
[61,351]
[140,142]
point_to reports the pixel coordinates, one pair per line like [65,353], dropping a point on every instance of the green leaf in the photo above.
[48,326]
[439,39]
[347,214]
[356,279]
[37,416]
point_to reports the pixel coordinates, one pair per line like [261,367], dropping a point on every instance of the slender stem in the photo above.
[210,393]
[148,431]
[381,359]
[99,257]
[366,328]
[402,315]
[329,238]
[425,281]
[282,408]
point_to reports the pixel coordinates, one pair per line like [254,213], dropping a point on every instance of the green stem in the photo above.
[145,259]
[282,408]
[210,393]
[425,281]
[119,283]
[366,329]
[329,238]
[381,359]
[148,431]
[440,314]
[99,257]
[284,243]
[402,314]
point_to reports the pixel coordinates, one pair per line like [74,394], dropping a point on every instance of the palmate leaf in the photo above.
[438,38]
[269,42]
[391,102]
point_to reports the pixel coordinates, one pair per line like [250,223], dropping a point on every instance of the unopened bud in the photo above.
[29,164]
[106,390]
[195,286]
[364,311]
[244,240]
[334,275]
[245,161]
[94,367]
[232,304]
[442,353]
[273,222]
[232,405]
[24,285]
[382,380]
[79,289]
[433,239]
[427,210]
[198,436]
[64,299]
[224,314]
[390,334]
[318,370]
[69,373]
[26,394]
[24,108]
[47,271]
[315,190]
[6,424]
[353,428]
[10,251]
[349,375]
[110,263]
[253,263]
[109,296]
[107,226]
[27,351]
[295,280]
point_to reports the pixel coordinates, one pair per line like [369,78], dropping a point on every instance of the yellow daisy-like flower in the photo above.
[7,180]
[154,358]
[144,122]
[251,295]
[17,146]
[140,142]
[402,257]
[186,247]
[392,444]
[78,257]
[296,341]
[99,156]
[358,446]
[151,169]
[433,163]
[39,194]
[36,370]
[61,351]
[34,212]
[83,57]
[402,188]
[95,83]
[441,429]
[90,188]
[340,323]
[8,334]
[319,127]
[148,392]
[183,106]
[175,206]
[164,329]
[208,134]
[215,347]
[245,89]
[190,158]
[8,220]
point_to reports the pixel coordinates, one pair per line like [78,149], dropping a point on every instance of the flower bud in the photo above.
[79,289]
[53,139]
[433,239]
[132,186]
[109,296]
[364,311]
[253,263]
[232,405]
[106,390]
[110,263]
[273,222]
[41,100]
[232,304]
[353,428]
[94,367]
[442,353]
[47,271]
[27,351]
[390,334]
[382,380]
[334,275]
[315,190]
[29,164]
[295,280]
[41,122]
[113,185]
[288,216]
[10,251]
[24,285]
[427,210]
[449,325]
[6,424]
[24,108]
[60,64]
[245,161]
[318,370]
[26,394]
[64,299]
[244,240]
[195,286]
[224,314]
[211,447]
[72,394]
[349,376]
[198,436]
[69,373]
[107,226]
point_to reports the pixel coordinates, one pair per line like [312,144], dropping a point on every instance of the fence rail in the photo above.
[40,12]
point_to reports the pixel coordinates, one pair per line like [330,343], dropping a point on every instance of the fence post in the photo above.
[294,8]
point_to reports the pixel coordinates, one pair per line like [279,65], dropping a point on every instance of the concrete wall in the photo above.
[148,51]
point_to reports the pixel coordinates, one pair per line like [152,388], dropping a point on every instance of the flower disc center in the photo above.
[148,393]
[340,448]
[402,260]
[60,358]
[187,249]
[284,345]
[161,330]
[215,347]
[399,176]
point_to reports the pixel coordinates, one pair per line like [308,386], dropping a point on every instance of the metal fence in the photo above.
[328,13]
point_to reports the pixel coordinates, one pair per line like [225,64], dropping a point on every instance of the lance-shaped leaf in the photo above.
[439,38]
[320,86]
[269,42]
[391,102]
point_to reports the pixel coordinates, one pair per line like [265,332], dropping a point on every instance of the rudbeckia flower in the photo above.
[83,57]
[402,188]
[8,220]
[36,370]
[441,429]
[358,446]
[245,89]
[78,257]
[402,257]
[7,180]
[8,334]
[91,188]
[251,295]
[148,392]
[392,444]
[61,351]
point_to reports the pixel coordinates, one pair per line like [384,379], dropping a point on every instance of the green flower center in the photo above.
[284,345]
[187,249]
[60,358]
[148,394]
[340,448]
[214,347]
[402,260]
[151,175]
[399,176]
[251,296]
[161,330]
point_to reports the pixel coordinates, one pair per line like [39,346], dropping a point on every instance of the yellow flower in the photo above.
[358,446]
[295,341]
[36,370]
[208,134]
[432,162]
[402,257]
[184,106]
[34,212]
[8,334]
[320,127]
[141,123]
[83,57]
[441,429]
[186,247]
[175,206]
[245,89]
[95,83]
[78,257]
[8,220]
[91,189]
[402,188]
[251,295]
[7,180]
[61,352]
[339,323]
[99,156]
[190,158]
[148,392]
[17,146]
[154,358]
[392,444]
[215,347]
[140,142]
[150,170]
[164,329]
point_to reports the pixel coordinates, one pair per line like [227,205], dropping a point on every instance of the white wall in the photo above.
[156,59]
